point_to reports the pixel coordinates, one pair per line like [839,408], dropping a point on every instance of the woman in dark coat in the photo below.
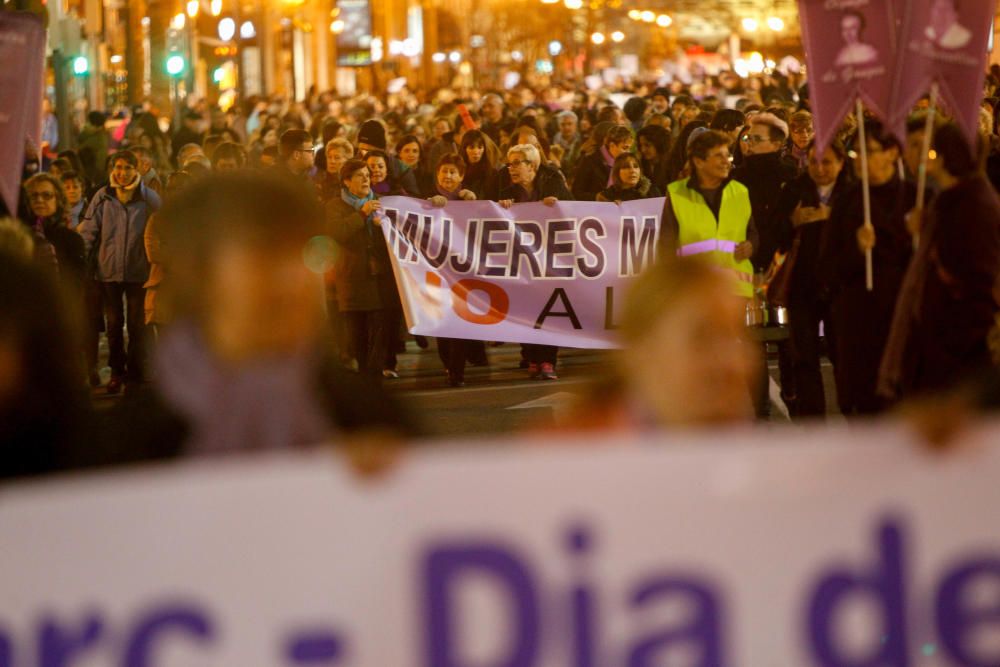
[384,183]
[861,318]
[803,214]
[530,184]
[410,153]
[947,305]
[654,148]
[594,171]
[628,182]
[365,285]
[481,158]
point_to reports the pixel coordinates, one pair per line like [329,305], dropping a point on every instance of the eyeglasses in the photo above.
[755,139]
[518,163]
[41,196]
[304,150]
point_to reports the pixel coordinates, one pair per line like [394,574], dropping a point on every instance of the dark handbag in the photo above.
[779,287]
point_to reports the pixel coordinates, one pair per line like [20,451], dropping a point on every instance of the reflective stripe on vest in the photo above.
[699,233]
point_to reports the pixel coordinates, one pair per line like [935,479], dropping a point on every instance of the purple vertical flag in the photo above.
[944,41]
[851,52]
[22,48]
[34,89]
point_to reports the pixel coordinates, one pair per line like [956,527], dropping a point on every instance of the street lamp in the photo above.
[597,38]
[750,25]
[648,16]
[617,36]
[664,21]
[247,31]
[227,29]
[775,24]
[192,8]
[573,4]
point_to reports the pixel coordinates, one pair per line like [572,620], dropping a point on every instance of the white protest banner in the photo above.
[552,275]
[794,548]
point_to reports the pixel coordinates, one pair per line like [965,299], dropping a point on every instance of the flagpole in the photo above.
[924,154]
[866,195]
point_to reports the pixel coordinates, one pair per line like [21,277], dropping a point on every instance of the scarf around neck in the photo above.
[357,202]
[121,190]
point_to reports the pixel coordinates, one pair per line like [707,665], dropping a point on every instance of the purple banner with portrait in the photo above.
[22,50]
[851,52]
[944,41]
[552,275]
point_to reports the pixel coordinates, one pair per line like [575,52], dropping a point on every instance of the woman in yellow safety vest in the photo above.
[708,214]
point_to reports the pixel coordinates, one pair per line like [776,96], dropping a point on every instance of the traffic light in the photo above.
[176,65]
[81,66]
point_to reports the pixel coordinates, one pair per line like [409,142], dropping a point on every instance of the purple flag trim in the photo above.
[35,89]
[22,45]
[851,52]
[944,41]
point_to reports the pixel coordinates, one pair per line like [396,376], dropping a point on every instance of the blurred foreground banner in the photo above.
[783,548]
[551,275]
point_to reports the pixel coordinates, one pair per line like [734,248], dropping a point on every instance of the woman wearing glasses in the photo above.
[528,184]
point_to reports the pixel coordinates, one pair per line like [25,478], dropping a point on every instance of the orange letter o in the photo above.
[499,301]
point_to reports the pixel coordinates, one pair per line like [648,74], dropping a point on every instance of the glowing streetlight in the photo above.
[192,8]
[215,6]
[337,26]
[439,57]
[247,31]
[177,23]
[664,21]
[597,38]
[227,29]
[455,57]
[555,47]
[775,24]
[617,36]
[634,14]
[648,16]
[573,4]
[750,25]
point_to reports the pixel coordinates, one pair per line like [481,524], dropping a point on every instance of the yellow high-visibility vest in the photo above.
[701,234]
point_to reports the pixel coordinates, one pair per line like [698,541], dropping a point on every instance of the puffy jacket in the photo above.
[114,232]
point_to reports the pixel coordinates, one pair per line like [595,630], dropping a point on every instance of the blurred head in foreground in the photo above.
[686,360]
[236,245]
[43,405]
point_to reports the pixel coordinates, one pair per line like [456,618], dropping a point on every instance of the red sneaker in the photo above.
[548,372]
[533,371]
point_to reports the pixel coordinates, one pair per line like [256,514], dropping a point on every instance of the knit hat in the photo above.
[372,133]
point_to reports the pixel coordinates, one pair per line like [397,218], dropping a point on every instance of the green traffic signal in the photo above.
[175,65]
[81,65]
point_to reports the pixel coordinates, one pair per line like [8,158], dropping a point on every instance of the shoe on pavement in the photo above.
[390,374]
[534,372]
[114,384]
[454,381]
[548,372]
[421,342]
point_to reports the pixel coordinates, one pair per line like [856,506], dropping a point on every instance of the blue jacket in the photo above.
[115,230]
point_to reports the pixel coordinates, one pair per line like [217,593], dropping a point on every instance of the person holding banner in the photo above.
[594,171]
[481,157]
[449,185]
[628,182]
[862,318]
[365,286]
[529,184]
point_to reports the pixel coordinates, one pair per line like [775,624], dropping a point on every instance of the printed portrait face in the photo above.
[851,28]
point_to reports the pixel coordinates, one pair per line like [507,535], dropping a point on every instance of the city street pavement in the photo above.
[501,398]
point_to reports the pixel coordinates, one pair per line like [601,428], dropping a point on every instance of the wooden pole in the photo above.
[865,189]
[924,154]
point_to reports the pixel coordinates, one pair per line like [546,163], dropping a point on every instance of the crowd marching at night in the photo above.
[193,250]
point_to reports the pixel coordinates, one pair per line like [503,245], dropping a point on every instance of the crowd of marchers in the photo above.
[183,246]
